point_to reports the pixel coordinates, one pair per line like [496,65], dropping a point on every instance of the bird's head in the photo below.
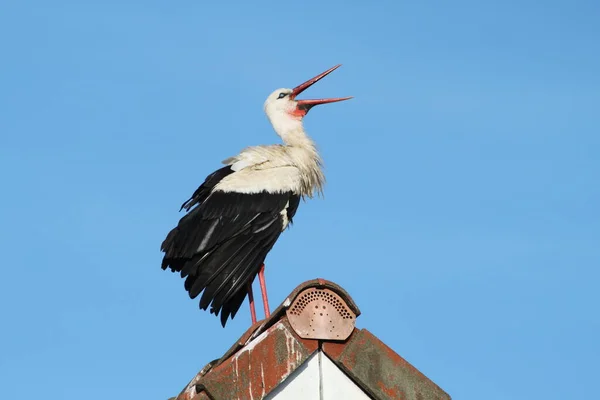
[286,112]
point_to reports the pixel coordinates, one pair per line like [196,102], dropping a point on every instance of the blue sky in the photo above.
[461,210]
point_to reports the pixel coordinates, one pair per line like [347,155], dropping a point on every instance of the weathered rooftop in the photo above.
[317,317]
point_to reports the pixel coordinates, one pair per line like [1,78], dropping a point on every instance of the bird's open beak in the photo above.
[306,105]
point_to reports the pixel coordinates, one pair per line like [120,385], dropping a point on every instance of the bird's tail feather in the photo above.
[226,277]
[222,274]
[230,299]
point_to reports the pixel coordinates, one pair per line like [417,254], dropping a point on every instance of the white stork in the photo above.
[235,217]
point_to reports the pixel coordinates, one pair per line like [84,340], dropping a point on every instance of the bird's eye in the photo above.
[282,95]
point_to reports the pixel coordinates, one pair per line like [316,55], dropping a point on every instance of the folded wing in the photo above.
[233,220]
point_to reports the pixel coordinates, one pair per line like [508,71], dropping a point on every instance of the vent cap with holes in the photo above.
[321,313]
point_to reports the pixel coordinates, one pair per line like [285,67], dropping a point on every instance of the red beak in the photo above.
[306,105]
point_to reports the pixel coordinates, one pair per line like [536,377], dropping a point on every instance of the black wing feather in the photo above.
[204,190]
[222,241]
[293,207]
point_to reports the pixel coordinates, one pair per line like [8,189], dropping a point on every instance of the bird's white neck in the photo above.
[298,138]
[301,150]
[303,153]
[291,131]
[289,128]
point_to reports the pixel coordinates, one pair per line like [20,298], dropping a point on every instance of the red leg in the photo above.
[251,300]
[263,290]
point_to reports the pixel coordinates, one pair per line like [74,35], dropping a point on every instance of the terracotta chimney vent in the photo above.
[320,313]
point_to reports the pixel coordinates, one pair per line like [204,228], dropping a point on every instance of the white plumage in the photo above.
[275,168]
